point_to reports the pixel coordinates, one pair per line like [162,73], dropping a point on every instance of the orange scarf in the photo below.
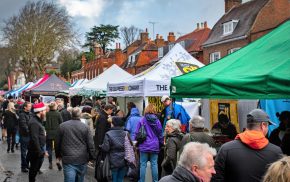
[254,139]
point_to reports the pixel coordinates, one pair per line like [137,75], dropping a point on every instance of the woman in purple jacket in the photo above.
[150,148]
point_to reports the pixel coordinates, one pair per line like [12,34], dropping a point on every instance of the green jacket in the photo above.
[53,120]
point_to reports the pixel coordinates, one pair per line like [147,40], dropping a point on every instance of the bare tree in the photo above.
[129,34]
[35,33]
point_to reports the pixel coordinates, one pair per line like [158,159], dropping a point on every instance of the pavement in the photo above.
[10,170]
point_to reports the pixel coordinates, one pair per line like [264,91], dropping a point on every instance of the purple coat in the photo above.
[154,140]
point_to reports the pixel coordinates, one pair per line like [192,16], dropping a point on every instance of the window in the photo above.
[182,43]
[215,56]
[230,51]
[229,27]
[160,52]
[170,46]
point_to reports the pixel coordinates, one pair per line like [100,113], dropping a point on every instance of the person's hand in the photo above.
[46,154]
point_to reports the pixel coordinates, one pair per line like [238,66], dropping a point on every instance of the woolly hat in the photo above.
[39,107]
[117,121]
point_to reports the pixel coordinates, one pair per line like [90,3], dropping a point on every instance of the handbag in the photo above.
[142,134]
[102,169]
[130,157]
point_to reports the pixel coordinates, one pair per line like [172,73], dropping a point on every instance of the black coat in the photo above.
[24,118]
[180,174]
[65,115]
[37,136]
[53,120]
[102,126]
[230,131]
[10,120]
[114,144]
[172,146]
[238,162]
[285,144]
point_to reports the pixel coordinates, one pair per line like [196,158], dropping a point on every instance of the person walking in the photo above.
[114,145]
[86,118]
[150,148]
[10,124]
[132,122]
[247,157]
[53,120]
[74,147]
[196,164]
[103,125]
[173,139]
[65,114]
[24,118]
[36,146]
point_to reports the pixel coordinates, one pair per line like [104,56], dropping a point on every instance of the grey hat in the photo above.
[258,115]
[197,122]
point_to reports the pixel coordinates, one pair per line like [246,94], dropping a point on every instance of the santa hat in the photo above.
[39,107]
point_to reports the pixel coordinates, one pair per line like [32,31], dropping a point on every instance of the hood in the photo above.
[254,139]
[134,112]
[151,118]
[86,116]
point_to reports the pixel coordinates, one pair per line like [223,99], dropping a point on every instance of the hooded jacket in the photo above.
[132,122]
[87,119]
[154,138]
[180,174]
[10,120]
[53,120]
[246,158]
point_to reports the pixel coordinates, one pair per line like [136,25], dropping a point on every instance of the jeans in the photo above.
[74,173]
[24,141]
[35,164]
[144,157]
[119,174]
[49,147]
[11,135]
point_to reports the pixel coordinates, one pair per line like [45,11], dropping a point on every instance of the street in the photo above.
[10,170]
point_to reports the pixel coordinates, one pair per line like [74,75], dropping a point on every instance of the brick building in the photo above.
[243,23]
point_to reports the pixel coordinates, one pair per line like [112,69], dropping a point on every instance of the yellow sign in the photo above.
[227,107]
[157,102]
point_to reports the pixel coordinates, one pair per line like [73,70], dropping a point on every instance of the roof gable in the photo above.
[245,13]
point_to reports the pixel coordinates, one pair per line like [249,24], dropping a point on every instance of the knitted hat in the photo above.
[39,107]
[117,121]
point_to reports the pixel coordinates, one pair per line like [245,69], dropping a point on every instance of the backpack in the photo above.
[142,134]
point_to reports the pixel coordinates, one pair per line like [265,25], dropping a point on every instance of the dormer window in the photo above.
[229,27]
[182,43]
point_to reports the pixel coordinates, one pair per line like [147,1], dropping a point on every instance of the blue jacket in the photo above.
[176,111]
[154,138]
[132,122]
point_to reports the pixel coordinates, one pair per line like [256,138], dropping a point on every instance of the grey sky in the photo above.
[179,16]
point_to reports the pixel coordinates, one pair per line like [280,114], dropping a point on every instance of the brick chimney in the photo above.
[83,60]
[197,26]
[159,41]
[205,24]
[144,36]
[229,4]
[171,37]
[118,55]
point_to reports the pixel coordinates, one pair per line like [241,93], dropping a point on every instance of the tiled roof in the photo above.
[198,37]
[245,13]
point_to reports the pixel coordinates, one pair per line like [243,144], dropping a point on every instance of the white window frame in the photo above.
[214,56]
[160,52]
[228,27]
[230,51]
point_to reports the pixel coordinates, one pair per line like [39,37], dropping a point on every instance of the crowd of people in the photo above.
[119,145]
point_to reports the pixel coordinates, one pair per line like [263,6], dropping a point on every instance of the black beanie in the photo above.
[117,121]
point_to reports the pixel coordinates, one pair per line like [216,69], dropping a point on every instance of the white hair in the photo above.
[197,122]
[195,153]
[175,123]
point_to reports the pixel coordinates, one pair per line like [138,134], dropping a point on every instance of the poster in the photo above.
[227,107]
[157,102]
[186,67]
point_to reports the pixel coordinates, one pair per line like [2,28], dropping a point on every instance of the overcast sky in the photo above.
[179,16]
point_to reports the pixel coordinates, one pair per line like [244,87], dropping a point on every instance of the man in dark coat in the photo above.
[24,118]
[103,125]
[37,140]
[74,146]
[248,156]
[53,120]
[196,164]
[225,126]
[66,116]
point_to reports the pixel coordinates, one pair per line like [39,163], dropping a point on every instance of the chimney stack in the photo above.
[229,4]
[118,54]
[197,26]
[159,41]
[144,36]
[83,60]
[201,26]
[205,24]
[171,37]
